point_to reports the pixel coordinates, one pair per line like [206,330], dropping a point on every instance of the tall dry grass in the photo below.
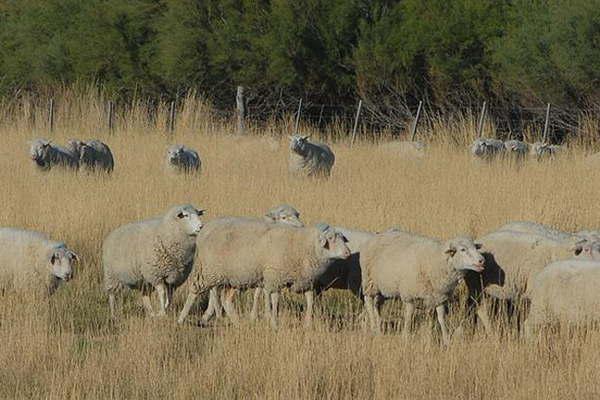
[68,348]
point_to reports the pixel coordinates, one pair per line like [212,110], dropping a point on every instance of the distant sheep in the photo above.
[516,149]
[255,253]
[310,158]
[30,261]
[487,149]
[536,229]
[541,151]
[93,155]
[156,254]
[183,159]
[47,155]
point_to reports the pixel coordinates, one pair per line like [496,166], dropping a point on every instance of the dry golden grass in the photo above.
[67,347]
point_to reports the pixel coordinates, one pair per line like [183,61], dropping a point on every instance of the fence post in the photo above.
[356,123]
[240,109]
[481,120]
[298,117]
[321,115]
[172,117]
[546,124]
[414,127]
[111,116]
[51,115]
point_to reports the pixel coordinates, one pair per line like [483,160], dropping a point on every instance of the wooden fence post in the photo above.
[414,127]
[546,125]
[298,117]
[240,110]
[356,123]
[321,115]
[172,117]
[51,115]
[111,116]
[481,120]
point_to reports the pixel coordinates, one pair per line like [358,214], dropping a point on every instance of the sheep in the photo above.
[284,214]
[93,154]
[310,158]
[47,155]
[32,261]
[517,149]
[413,268]
[512,259]
[256,253]
[565,291]
[541,151]
[487,149]
[183,159]
[155,254]
[536,229]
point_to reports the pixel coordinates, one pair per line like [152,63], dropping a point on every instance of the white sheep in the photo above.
[536,229]
[183,159]
[541,151]
[310,158]
[415,269]
[516,149]
[565,292]
[31,261]
[156,254]
[93,155]
[487,149]
[256,253]
[47,155]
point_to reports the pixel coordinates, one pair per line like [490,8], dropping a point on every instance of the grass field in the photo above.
[67,348]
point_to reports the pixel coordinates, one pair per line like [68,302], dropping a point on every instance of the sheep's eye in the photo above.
[53,259]
[462,249]
[284,217]
[181,215]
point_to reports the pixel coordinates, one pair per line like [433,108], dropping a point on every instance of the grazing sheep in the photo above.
[31,261]
[565,292]
[310,158]
[516,148]
[415,268]
[487,149]
[183,159]
[152,254]
[255,253]
[47,155]
[512,259]
[541,151]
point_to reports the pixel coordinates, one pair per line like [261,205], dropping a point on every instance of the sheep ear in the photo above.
[323,242]
[75,256]
[305,137]
[450,249]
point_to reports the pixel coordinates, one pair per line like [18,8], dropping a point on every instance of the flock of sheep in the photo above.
[486,148]
[557,272]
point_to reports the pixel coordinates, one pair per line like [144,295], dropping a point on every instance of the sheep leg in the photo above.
[441,316]
[111,305]
[189,303]
[409,310]
[374,321]
[267,300]
[255,300]
[274,306]
[484,316]
[213,305]
[147,304]
[170,293]
[308,317]
[229,307]
[161,291]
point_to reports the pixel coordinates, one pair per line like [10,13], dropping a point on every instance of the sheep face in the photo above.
[188,218]
[285,214]
[333,244]
[463,254]
[39,152]
[61,263]
[175,154]
[298,144]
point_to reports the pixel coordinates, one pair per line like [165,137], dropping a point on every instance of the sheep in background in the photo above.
[183,159]
[541,151]
[155,254]
[516,149]
[536,229]
[487,149]
[415,268]
[31,261]
[47,155]
[93,155]
[254,253]
[310,158]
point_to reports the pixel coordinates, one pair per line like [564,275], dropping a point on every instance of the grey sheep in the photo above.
[155,254]
[310,158]
[541,151]
[415,269]
[31,261]
[93,155]
[565,292]
[487,149]
[47,155]
[183,159]
[256,253]
[516,149]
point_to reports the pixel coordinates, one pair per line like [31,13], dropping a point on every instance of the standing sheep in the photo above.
[517,149]
[153,254]
[47,155]
[183,159]
[565,292]
[310,158]
[541,151]
[415,268]
[31,261]
[535,229]
[487,149]
[255,253]
[93,155]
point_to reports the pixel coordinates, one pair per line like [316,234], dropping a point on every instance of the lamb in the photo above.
[93,155]
[32,261]
[565,292]
[255,253]
[415,268]
[156,254]
[310,158]
[183,159]
[47,155]
[487,149]
[541,151]
[516,148]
